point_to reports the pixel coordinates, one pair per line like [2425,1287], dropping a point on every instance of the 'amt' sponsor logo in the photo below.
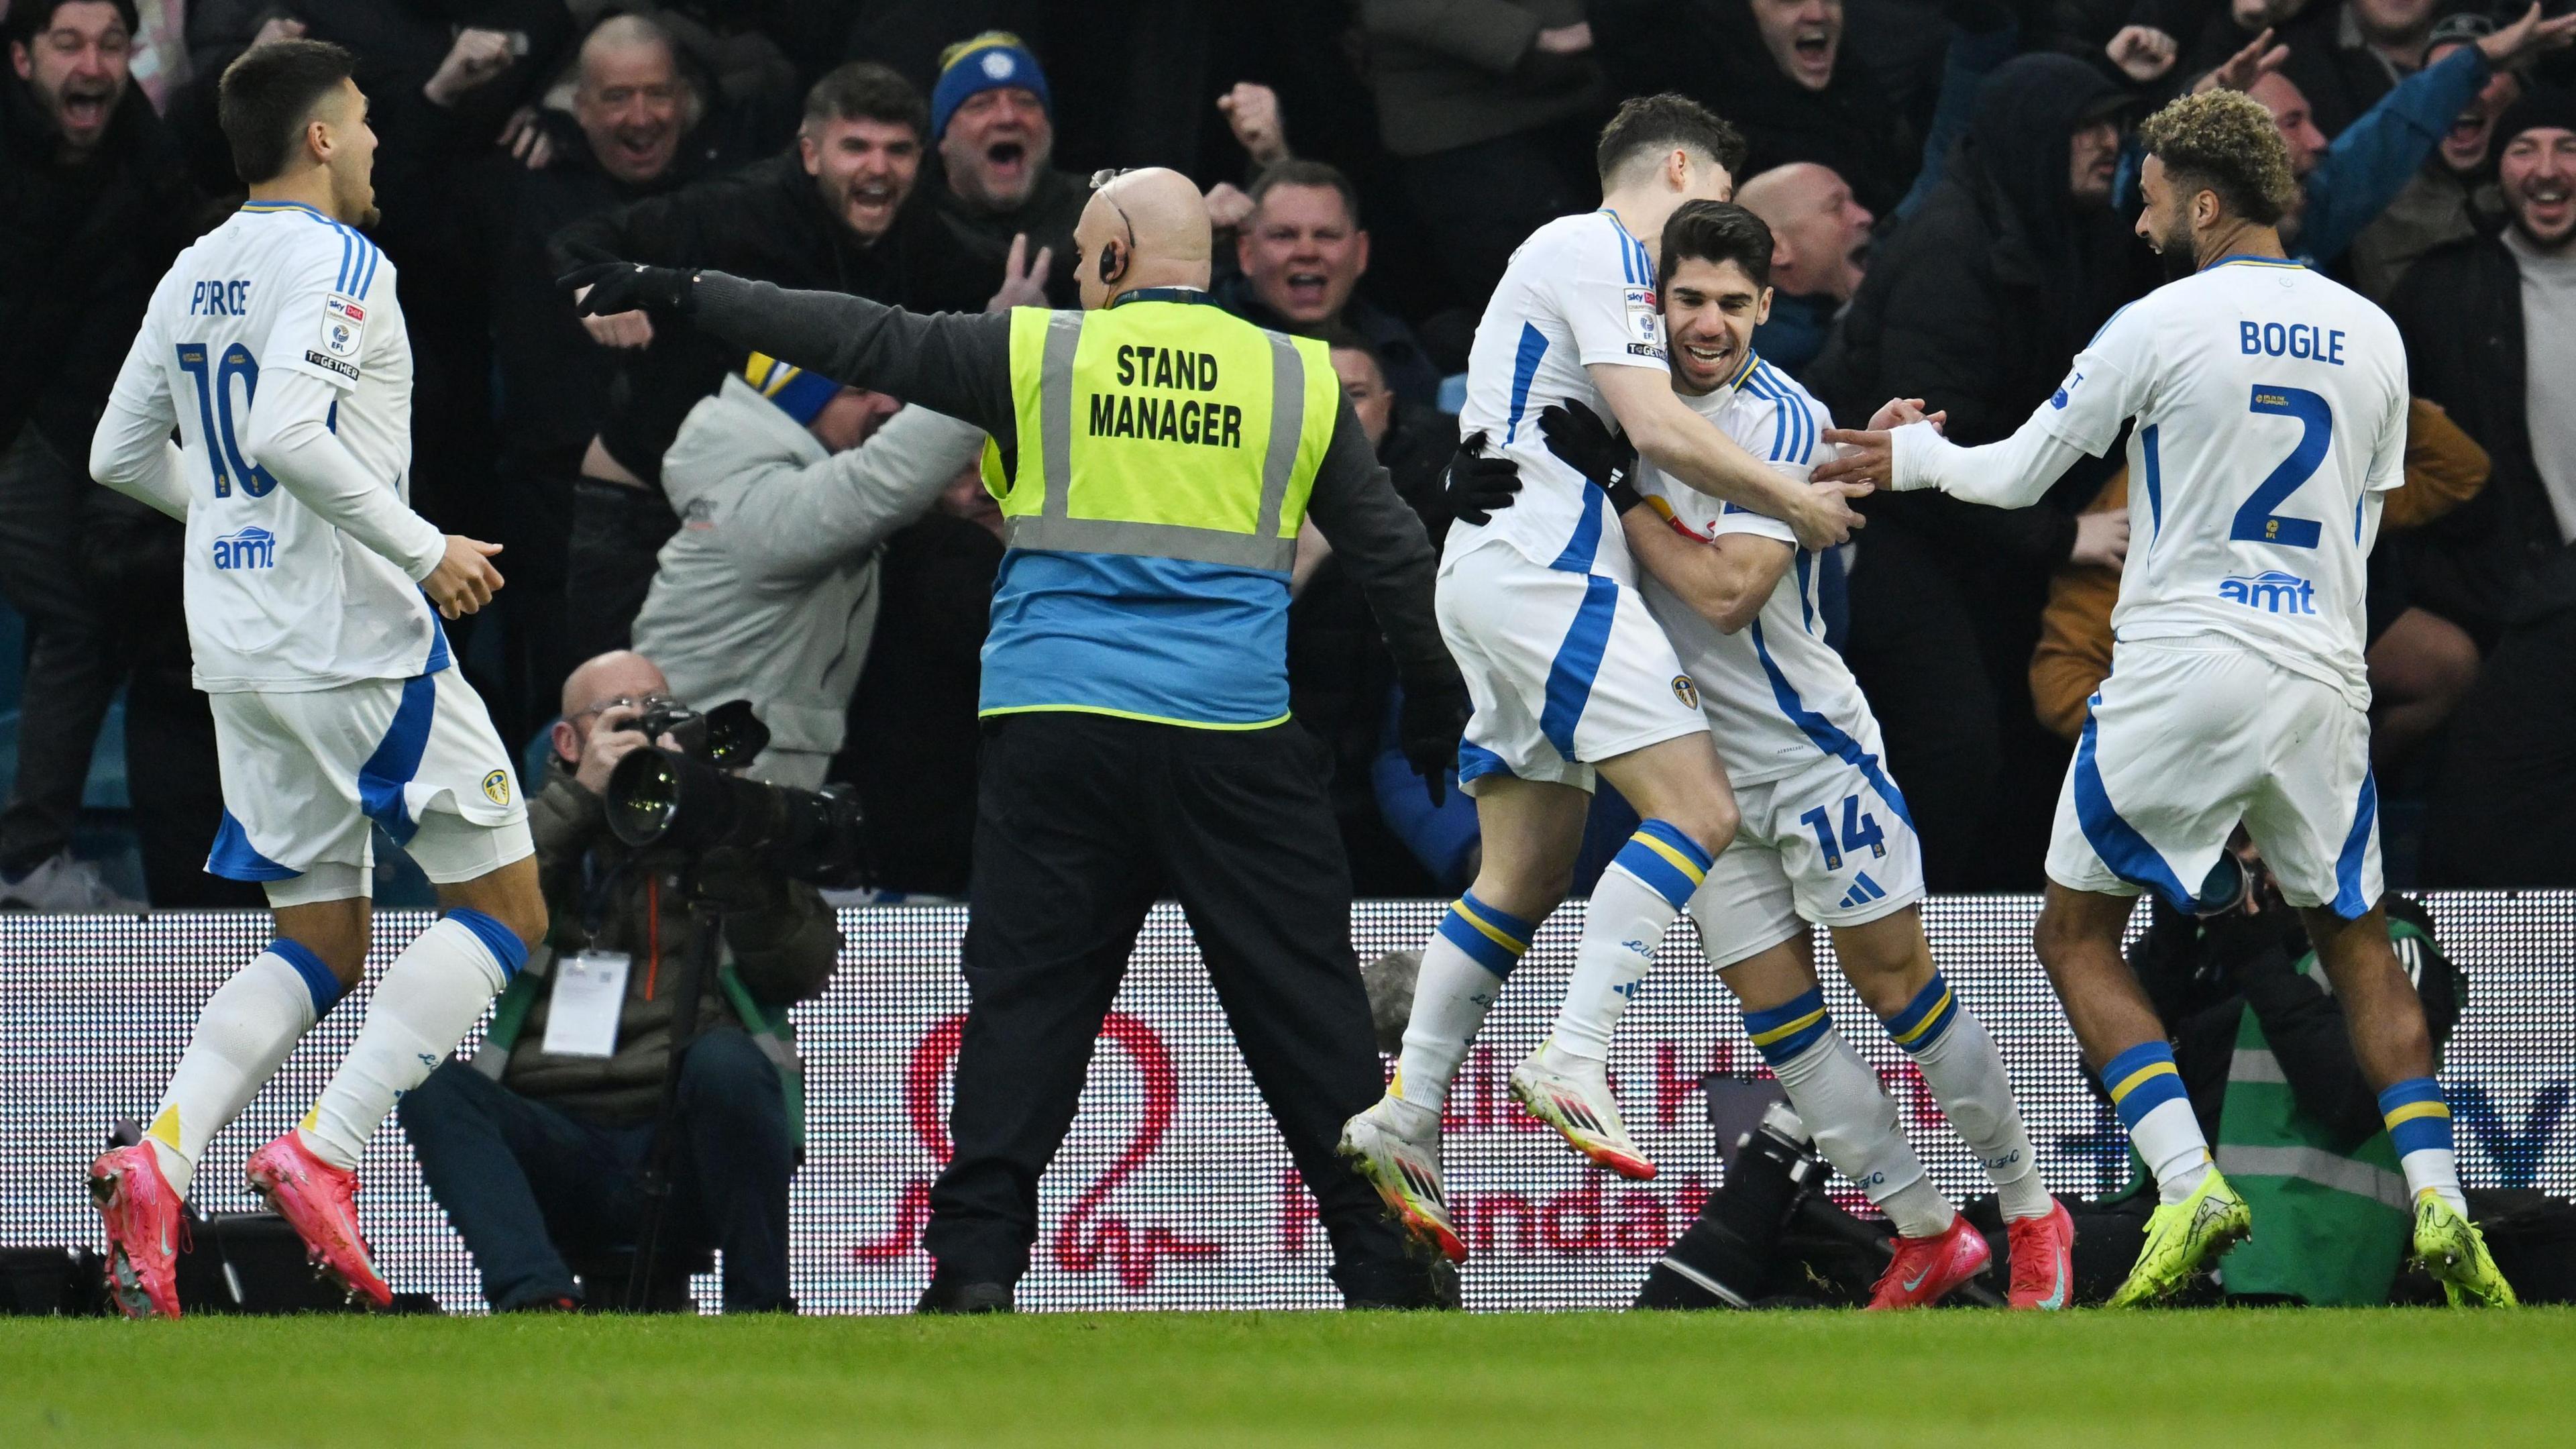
[252,548]
[2271,591]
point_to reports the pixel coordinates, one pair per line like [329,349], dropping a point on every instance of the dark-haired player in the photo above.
[276,348]
[1826,838]
[2270,408]
[1570,675]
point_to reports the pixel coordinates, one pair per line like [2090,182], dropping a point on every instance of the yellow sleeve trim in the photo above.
[2413,1110]
[1162,719]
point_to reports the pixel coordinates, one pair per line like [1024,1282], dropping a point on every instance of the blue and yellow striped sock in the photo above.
[1462,973]
[2146,1089]
[1649,881]
[1926,1018]
[1782,1033]
[1495,940]
[2419,1127]
[1668,862]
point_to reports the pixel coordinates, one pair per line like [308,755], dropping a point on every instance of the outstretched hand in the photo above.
[2240,71]
[1861,455]
[604,286]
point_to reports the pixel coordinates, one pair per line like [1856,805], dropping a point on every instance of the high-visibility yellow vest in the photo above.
[1166,453]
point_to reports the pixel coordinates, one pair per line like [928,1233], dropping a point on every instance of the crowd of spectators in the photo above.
[1951,185]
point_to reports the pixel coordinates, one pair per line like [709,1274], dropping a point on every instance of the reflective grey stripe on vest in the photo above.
[2315,1164]
[1054,530]
[2250,1065]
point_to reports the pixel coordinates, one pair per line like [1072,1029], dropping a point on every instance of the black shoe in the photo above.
[1412,1281]
[946,1295]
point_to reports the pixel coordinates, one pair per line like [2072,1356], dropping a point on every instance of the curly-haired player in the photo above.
[2270,410]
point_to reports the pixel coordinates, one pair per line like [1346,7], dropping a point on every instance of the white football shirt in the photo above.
[2271,417]
[1579,291]
[1776,694]
[278,598]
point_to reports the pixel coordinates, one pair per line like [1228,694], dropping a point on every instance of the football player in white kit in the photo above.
[2270,409]
[1825,837]
[276,347]
[1569,674]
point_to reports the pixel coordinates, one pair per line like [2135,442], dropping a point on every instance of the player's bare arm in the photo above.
[1685,445]
[1725,579]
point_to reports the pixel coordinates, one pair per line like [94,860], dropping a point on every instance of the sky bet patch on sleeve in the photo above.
[344,331]
[1645,323]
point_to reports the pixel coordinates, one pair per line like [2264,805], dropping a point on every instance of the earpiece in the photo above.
[1113,262]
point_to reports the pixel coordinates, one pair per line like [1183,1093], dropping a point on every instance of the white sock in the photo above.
[2147,1091]
[2168,1140]
[1854,1121]
[2419,1127]
[430,998]
[1648,882]
[1463,969]
[1959,1063]
[247,1030]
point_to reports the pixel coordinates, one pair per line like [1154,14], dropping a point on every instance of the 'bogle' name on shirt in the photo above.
[1169,419]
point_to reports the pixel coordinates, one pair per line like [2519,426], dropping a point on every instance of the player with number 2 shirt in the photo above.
[2269,410]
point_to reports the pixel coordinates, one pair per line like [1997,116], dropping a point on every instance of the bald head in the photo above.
[618,674]
[1819,234]
[1147,228]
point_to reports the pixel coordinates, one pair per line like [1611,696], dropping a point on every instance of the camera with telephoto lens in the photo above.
[1770,1236]
[687,801]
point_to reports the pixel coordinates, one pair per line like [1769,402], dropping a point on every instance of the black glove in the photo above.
[1578,437]
[1428,728]
[1477,487]
[617,286]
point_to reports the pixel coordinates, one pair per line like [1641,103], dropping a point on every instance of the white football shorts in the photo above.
[1832,845]
[1564,668]
[2188,738]
[306,775]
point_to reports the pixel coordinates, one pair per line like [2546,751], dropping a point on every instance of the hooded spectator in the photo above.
[2346,54]
[2452,196]
[1975,305]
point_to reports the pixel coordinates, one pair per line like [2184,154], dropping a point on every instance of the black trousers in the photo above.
[527,1183]
[1082,821]
[2503,809]
[617,534]
[97,575]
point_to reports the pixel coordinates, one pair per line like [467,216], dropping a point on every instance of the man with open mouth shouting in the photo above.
[993,121]
[93,205]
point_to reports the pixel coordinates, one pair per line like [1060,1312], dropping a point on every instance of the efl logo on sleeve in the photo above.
[344,327]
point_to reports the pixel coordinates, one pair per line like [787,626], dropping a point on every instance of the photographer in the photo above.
[786,485]
[2260,1042]
[534,1148]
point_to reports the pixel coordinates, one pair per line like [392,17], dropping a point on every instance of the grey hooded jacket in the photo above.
[769,590]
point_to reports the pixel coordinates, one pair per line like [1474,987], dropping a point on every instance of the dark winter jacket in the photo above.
[1980,300]
[768,223]
[783,944]
[2497,558]
[81,247]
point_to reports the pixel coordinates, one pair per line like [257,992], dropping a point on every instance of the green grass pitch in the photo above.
[2236,1378]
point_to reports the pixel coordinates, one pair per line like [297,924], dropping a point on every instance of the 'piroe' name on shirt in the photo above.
[1181,420]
